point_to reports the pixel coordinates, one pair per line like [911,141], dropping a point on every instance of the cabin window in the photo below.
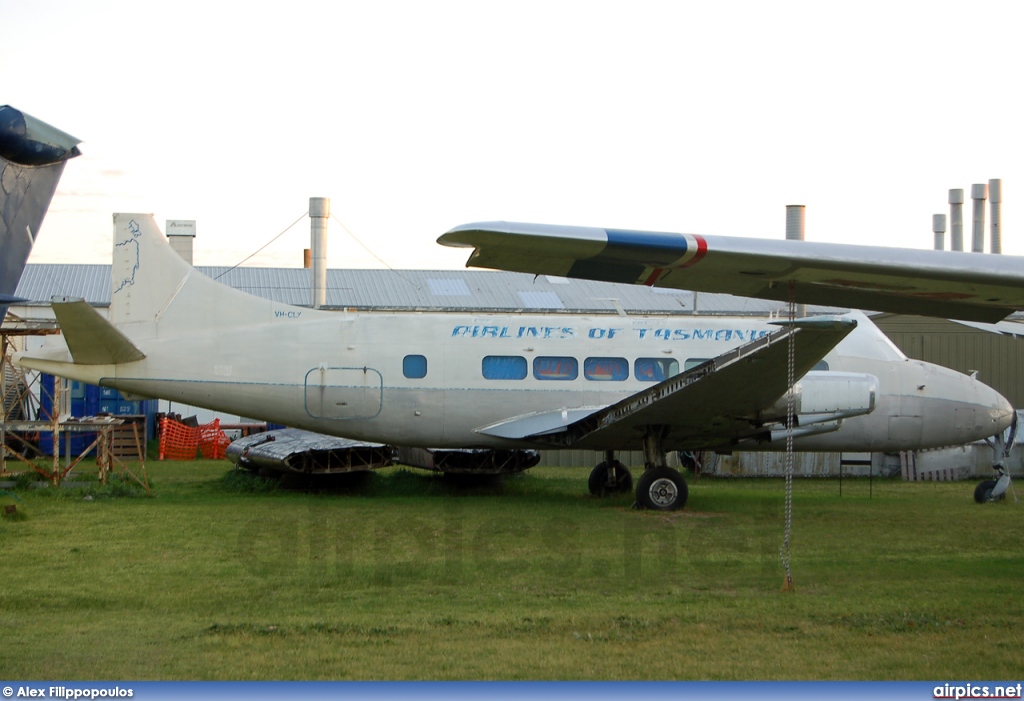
[820,366]
[691,363]
[555,368]
[655,369]
[414,366]
[504,367]
[606,369]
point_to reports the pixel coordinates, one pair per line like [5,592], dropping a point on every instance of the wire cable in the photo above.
[262,247]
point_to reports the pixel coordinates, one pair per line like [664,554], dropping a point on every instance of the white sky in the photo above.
[414,117]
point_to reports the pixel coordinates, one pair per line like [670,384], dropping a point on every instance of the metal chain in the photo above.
[790,405]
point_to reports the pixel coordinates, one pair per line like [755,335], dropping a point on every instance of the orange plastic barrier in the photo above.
[213,443]
[181,442]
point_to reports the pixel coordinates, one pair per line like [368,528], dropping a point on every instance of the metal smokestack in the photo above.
[995,198]
[319,210]
[979,193]
[795,222]
[956,220]
[939,229]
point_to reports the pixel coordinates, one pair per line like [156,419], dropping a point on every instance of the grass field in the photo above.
[406,576]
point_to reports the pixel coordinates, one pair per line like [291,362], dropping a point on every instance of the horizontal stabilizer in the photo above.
[92,339]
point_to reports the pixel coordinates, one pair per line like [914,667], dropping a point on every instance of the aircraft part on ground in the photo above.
[469,462]
[305,452]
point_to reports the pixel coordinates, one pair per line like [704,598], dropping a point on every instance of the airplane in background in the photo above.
[497,384]
[32,159]
[945,284]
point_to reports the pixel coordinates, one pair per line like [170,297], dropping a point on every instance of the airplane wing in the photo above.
[947,284]
[715,404]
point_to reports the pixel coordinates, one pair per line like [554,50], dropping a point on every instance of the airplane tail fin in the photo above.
[32,159]
[152,286]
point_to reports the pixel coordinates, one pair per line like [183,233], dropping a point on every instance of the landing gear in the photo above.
[609,477]
[993,490]
[983,492]
[660,487]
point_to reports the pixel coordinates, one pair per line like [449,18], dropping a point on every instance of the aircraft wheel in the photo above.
[623,478]
[598,481]
[983,492]
[661,489]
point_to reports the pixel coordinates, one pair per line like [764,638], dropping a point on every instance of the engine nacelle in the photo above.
[827,396]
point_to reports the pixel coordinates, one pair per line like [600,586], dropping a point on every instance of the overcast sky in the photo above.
[414,117]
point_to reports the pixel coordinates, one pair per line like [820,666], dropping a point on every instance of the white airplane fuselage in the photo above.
[418,379]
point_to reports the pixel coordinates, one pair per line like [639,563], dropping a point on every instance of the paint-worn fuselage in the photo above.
[432,379]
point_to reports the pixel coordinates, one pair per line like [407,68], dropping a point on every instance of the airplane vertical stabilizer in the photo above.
[144,279]
[32,158]
[154,292]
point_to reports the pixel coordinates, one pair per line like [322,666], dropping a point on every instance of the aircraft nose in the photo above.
[1002,411]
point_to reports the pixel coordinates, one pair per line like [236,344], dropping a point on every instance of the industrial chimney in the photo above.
[319,210]
[995,198]
[956,220]
[795,222]
[939,229]
[181,234]
[979,193]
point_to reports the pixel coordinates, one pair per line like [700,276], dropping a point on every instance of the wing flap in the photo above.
[713,404]
[537,424]
[947,284]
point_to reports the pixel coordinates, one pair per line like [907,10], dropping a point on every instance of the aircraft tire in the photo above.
[983,492]
[661,489]
[623,479]
[598,481]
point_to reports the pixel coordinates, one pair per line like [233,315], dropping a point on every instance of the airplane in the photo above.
[32,158]
[945,284]
[504,382]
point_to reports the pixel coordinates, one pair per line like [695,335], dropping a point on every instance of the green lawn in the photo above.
[407,576]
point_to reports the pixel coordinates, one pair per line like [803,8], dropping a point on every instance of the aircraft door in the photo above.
[343,393]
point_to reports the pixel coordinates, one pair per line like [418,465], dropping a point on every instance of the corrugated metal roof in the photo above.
[454,290]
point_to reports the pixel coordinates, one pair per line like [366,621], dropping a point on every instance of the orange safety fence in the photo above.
[181,442]
[213,443]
